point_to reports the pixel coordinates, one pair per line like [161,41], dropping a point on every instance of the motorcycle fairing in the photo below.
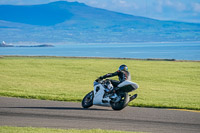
[127,86]
[98,96]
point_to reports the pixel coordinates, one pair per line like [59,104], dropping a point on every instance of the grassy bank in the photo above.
[162,83]
[6,129]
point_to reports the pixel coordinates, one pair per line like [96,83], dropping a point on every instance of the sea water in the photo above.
[178,51]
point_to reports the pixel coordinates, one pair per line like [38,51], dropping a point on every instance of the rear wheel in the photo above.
[88,100]
[122,103]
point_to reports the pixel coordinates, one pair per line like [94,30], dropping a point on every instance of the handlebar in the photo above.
[99,79]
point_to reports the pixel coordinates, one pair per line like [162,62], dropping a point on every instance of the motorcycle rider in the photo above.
[122,74]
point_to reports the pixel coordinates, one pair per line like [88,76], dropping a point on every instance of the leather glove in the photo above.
[101,77]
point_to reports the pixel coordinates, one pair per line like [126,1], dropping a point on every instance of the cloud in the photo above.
[196,7]
[122,2]
[180,6]
[162,5]
[169,3]
[159,6]
[24,2]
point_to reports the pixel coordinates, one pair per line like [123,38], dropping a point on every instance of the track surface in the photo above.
[52,114]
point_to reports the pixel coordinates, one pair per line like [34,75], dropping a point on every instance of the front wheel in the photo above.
[88,100]
[122,103]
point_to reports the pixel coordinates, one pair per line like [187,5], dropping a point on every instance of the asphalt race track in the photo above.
[53,114]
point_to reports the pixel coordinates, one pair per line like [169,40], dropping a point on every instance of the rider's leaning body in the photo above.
[122,74]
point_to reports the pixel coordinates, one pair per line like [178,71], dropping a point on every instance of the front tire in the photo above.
[122,103]
[88,100]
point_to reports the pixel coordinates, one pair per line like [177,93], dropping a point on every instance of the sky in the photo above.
[177,10]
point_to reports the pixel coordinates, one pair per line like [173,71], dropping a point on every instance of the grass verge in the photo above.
[163,84]
[7,129]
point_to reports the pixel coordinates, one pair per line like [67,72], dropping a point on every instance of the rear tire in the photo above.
[88,100]
[122,103]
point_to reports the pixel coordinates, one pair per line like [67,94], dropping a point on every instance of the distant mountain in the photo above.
[45,15]
[76,22]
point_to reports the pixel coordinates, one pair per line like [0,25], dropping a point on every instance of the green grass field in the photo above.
[167,84]
[6,129]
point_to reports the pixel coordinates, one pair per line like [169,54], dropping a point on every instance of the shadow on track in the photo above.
[60,108]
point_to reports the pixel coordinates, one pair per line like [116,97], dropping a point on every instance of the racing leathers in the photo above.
[122,75]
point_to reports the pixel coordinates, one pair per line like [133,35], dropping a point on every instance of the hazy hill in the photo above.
[76,22]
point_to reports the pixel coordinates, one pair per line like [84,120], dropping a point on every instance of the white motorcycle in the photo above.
[101,94]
